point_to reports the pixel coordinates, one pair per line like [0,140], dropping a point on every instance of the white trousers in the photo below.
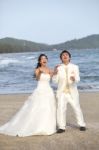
[61,110]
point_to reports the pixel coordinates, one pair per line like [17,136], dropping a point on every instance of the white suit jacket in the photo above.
[60,79]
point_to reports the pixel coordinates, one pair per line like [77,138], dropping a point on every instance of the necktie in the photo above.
[66,88]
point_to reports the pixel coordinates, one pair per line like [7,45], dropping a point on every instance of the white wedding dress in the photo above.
[38,114]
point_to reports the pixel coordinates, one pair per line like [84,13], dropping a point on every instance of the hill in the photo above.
[16,45]
[89,42]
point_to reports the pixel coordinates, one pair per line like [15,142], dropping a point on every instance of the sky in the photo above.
[48,21]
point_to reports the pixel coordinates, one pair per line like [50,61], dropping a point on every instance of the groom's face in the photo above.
[65,58]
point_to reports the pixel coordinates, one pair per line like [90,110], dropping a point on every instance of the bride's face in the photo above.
[43,61]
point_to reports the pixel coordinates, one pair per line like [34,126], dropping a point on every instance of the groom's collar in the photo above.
[65,65]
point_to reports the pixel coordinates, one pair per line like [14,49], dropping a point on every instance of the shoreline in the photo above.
[26,93]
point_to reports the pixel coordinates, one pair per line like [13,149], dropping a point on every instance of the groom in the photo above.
[66,75]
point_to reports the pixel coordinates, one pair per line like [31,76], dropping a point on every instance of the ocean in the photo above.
[17,70]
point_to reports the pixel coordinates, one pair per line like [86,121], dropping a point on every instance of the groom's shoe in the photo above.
[82,128]
[60,130]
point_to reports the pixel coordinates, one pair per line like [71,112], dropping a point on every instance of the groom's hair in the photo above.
[65,51]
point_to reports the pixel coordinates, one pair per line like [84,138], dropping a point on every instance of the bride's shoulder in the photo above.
[37,70]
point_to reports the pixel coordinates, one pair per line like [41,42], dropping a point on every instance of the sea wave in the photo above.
[8,61]
[31,58]
[89,87]
[90,77]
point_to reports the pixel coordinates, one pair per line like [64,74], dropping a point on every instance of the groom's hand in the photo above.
[72,78]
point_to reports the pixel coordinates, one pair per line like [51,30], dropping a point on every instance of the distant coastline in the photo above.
[12,45]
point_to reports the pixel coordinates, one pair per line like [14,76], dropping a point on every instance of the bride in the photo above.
[38,114]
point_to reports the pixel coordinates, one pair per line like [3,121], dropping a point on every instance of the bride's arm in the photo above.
[51,72]
[37,73]
[55,76]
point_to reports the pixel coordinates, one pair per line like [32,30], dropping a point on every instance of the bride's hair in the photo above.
[39,59]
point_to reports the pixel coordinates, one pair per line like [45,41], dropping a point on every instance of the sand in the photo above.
[72,139]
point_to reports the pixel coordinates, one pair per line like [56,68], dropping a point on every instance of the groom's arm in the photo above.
[76,77]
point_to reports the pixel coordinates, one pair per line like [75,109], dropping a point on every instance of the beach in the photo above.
[72,139]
